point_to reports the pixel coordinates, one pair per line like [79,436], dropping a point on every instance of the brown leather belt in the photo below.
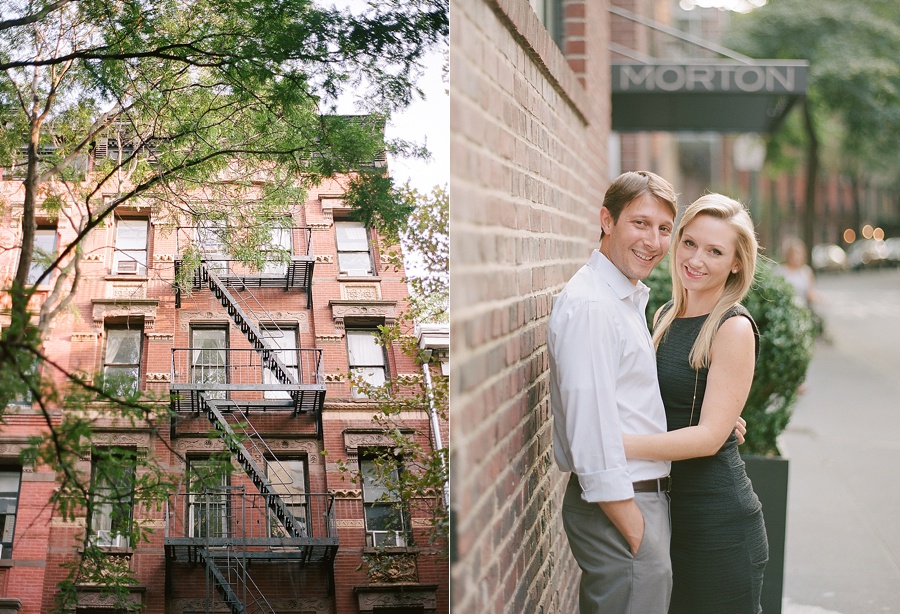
[658,485]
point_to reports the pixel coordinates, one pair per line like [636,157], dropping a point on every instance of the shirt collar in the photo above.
[639,293]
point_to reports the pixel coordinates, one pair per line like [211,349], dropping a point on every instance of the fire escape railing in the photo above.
[284,267]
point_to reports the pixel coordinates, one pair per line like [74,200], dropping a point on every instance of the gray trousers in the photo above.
[612,580]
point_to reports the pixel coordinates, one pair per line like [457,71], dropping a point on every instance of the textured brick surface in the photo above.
[528,170]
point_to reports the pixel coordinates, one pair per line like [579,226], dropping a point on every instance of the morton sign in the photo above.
[719,96]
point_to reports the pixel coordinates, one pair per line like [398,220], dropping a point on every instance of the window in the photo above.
[130,257]
[212,241]
[279,247]
[366,357]
[207,499]
[353,249]
[286,339]
[288,479]
[112,493]
[9,505]
[44,254]
[122,359]
[209,358]
[385,518]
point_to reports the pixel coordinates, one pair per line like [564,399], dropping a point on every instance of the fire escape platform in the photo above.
[310,550]
[297,274]
[304,398]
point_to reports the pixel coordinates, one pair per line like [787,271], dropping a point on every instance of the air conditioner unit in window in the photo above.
[110,540]
[127,267]
[385,539]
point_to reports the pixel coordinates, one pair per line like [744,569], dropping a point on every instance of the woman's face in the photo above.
[706,254]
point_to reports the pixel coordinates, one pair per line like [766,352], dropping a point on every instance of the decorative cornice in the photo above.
[105,308]
[353,523]
[164,257]
[320,226]
[79,337]
[160,337]
[93,257]
[343,309]
[334,377]
[325,258]
[158,377]
[346,493]
[329,338]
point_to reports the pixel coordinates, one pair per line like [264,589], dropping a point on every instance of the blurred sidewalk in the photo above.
[843,534]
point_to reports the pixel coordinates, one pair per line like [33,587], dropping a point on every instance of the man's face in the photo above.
[640,239]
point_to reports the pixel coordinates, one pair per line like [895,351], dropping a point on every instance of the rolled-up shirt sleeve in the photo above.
[586,348]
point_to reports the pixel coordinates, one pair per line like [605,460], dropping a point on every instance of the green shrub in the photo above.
[786,342]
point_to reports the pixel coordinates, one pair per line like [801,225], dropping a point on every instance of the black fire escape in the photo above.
[225,529]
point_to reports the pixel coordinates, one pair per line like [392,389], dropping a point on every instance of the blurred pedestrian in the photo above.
[602,380]
[707,345]
[801,277]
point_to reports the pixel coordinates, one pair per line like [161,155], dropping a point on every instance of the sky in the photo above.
[425,122]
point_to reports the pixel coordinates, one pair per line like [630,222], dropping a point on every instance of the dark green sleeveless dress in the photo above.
[719,546]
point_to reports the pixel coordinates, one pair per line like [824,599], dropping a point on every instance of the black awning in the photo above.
[718,96]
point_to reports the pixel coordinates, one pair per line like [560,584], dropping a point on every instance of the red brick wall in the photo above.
[528,171]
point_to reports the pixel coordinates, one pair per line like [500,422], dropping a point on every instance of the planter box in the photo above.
[769,475]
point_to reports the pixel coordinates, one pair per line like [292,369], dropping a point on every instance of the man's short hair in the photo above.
[628,186]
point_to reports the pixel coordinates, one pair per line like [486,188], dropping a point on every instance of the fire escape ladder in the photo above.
[230,577]
[269,355]
[273,500]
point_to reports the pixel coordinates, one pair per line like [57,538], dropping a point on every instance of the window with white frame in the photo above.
[122,358]
[285,339]
[365,356]
[212,241]
[209,358]
[112,496]
[130,257]
[207,498]
[45,244]
[288,479]
[10,480]
[385,515]
[279,248]
[354,255]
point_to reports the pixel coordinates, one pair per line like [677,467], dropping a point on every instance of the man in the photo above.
[603,383]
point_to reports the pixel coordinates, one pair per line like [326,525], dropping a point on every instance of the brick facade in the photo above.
[528,171]
[43,541]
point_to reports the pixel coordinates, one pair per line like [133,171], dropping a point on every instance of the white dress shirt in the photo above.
[603,380]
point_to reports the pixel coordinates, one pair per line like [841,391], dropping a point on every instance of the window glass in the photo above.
[112,493]
[131,247]
[43,256]
[385,519]
[284,337]
[209,358]
[353,248]
[288,479]
[9,504]
[366,357]
[208,502]
[122,364]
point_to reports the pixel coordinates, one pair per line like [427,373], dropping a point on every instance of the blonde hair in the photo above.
[736,286]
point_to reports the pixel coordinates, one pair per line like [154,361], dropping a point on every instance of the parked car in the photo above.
[867,253]
[829,257]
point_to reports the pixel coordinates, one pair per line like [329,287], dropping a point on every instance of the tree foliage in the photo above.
[424,470]
[187,108]
[852,109]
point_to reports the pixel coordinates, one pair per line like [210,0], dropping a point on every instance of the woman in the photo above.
[707,345]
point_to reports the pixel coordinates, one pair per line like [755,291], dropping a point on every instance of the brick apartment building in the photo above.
[260,353]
